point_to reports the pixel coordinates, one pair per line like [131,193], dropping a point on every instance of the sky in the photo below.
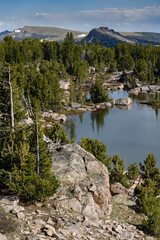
[83,15]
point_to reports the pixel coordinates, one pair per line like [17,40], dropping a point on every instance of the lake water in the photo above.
[132,132]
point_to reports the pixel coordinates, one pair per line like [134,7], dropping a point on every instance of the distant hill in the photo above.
[143,37]
[48,33]
[106,37]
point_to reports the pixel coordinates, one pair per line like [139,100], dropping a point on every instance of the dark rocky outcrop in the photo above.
[106,37]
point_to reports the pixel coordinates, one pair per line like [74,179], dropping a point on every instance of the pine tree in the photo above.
[98,93]
[71,90]
[117,173]
[149,189]
[98,149]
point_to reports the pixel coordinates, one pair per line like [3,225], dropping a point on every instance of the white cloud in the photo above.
[112,17]
[125,19]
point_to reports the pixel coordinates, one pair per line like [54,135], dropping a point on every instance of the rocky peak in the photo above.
[106,36]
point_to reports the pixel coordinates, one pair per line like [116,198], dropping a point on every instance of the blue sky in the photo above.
[120,15]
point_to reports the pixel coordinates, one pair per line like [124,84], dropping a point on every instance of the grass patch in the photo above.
[7,223]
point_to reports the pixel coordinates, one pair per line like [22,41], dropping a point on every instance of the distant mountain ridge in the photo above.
[105,36]
[4,33]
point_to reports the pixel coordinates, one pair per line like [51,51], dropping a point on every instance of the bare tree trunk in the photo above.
[30,109]
[37,133]
[11,100]
[12,112]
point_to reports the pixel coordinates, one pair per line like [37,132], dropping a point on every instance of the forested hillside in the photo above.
[30,73]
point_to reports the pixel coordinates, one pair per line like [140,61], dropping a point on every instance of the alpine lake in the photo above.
[131,132]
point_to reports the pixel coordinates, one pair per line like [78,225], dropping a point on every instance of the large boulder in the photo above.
[84,182]
[123,101]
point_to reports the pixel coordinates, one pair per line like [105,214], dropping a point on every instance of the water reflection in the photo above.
[81,117]
[124,107]
[70,128]
[97,118]
[156,112]
[144,96]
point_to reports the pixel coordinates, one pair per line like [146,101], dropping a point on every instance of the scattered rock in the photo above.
[65,84]
[75,105]
[118,188]
[9,200]
[120,87]
[109,104]
[39,222]
[20,215]
[28,121]
[54,116]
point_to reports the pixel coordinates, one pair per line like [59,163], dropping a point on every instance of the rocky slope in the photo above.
[82,208]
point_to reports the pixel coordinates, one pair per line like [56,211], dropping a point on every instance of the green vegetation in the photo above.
[98,149]
[25,165]
[117,173]
[98,94]
[148,193]
[57,134]
[133,171]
